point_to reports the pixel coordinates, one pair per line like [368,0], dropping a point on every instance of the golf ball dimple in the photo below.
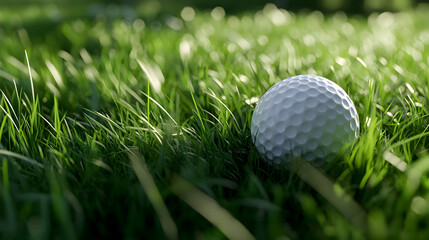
[303,116]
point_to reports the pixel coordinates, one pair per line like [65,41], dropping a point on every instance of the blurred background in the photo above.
[41,16]
[152,8]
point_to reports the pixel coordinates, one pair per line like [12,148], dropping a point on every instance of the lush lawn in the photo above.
[130,129]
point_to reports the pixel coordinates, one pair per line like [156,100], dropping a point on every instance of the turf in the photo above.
[140,129]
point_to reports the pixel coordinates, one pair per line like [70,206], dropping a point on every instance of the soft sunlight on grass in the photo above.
[181,90]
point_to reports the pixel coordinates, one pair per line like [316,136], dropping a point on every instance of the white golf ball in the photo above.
[303,116]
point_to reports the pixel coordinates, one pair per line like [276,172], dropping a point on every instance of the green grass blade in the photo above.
[23,158]
[210,209]
[153,194]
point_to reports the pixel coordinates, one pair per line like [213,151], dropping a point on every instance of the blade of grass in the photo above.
[198,111]
[10,105]
[209,209]
[152,192]
[160,106]
[23,158]
[10,117]
[31,77]
[331,192]
[402,142]
[213,95]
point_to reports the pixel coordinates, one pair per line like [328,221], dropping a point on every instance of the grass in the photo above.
[130,129]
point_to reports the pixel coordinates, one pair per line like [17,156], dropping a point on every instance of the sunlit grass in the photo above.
[182,90]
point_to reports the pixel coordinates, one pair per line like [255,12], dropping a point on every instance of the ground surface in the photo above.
[119,119]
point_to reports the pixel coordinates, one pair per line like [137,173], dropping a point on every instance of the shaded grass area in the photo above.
[182,94]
